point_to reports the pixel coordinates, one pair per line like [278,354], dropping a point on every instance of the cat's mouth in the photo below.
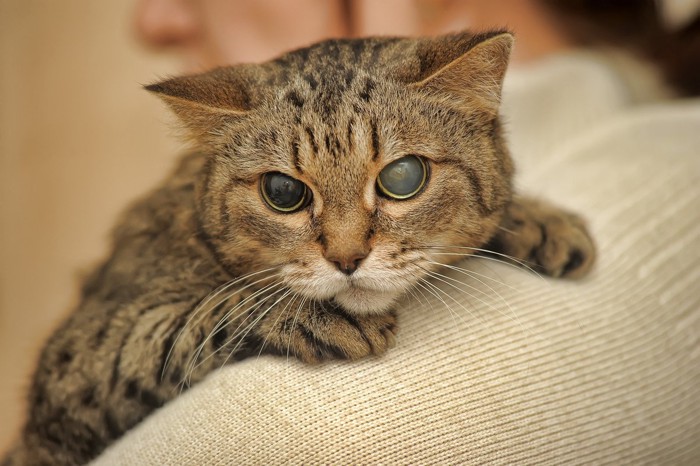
[362,295]
[364,292]
[363,300]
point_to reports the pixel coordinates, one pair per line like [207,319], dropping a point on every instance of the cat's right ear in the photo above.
[205,102]
[468,69]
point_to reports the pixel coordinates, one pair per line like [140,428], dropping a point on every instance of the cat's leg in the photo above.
[322,330]
[83,401]
[545,237]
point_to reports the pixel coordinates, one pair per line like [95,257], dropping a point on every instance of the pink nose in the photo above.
[347,264]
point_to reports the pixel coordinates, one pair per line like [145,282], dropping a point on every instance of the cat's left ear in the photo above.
[475,78]
[206,102]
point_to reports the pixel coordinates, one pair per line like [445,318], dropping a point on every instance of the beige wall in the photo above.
[78,140]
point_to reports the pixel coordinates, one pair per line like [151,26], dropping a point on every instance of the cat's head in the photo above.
[349,165]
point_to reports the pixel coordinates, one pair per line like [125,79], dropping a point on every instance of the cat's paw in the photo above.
[332,333]
[550,239]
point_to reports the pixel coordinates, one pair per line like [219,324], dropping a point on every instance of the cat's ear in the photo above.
[468,69]
[206,102]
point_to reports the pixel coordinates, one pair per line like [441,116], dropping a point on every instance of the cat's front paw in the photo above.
[552,240]
[329,332]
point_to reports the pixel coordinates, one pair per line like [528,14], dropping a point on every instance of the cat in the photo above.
[322,186]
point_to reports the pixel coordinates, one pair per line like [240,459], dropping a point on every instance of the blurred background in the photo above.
[79,138]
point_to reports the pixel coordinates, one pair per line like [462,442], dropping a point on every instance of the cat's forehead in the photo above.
[330,130]
[332,58]
[333,99]
[341,127]
[328,105]
[334,134]
[329,75]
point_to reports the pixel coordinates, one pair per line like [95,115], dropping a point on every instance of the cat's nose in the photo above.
[347,264]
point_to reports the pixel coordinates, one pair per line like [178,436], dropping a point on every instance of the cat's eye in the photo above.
[403,178]
[284,193]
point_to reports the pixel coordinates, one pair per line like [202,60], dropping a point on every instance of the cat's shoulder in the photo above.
[170,205]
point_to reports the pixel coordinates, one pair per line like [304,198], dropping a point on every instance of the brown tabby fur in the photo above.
[331,115]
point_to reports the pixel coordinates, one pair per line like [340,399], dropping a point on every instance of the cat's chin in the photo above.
[363,301]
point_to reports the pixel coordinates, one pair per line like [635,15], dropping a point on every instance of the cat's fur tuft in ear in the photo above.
[468,69]
[206,102]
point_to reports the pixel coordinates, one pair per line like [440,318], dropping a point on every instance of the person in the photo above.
[212,33]
[598,371]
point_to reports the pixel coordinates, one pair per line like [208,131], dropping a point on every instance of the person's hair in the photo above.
[636,25]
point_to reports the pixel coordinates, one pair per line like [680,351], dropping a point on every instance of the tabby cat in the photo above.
[324,185]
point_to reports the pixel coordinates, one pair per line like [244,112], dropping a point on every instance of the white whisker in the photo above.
[446,279]
[251,326]
[192,362]
[294,323]
[476,256]
[513,318]
[412,292]
[274,324]
[487,251]
[227,317]
[437,277]
[422,287]
[473,274]
[508,230]
[500,296]
[434,290]
[218,291]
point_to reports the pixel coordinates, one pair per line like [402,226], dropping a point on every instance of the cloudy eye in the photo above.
[403,178]
[283,193]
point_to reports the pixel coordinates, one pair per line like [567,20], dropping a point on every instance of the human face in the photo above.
[208,33]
